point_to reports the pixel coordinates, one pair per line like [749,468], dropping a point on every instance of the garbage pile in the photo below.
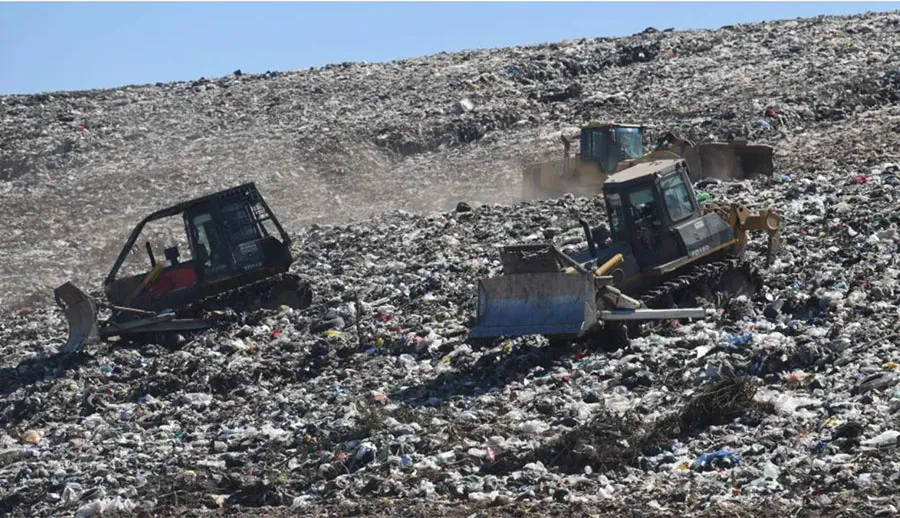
[374,393]
[350,140]
[374,399]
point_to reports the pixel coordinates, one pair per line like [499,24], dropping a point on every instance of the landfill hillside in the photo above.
[79,169]
[373,401]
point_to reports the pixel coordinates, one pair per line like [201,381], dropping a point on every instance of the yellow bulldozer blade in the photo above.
[81,314]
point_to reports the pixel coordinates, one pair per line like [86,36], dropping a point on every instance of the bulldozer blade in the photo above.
[551,304]
[81,315]
[729,161]
[555,178]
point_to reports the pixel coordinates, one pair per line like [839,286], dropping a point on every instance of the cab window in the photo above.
[677,197]
[208,250]
[240,223]
[642,208]
[630,143]
[616,217]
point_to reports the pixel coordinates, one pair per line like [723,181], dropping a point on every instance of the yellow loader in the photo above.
[609,148]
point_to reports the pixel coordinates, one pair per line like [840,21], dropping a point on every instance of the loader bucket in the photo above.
[549,303]
[729,161]
[81,315]
[556,178]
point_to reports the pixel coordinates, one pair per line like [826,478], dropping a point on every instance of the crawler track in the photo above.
[714,281]
[284,288]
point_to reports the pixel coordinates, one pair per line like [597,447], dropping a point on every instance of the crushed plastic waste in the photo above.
[374,397]
[716,460]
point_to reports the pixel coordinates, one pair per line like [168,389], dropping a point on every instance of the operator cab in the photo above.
[644,202]
[607,144]
[231,240]
[652,212]
[655,220]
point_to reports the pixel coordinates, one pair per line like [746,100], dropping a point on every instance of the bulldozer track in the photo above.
[697,279]
[242,298]
[248,296]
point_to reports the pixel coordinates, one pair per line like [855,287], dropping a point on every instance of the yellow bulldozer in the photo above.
[661,252]
[609,148]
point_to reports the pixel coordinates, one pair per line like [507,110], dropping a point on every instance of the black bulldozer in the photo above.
[238,256]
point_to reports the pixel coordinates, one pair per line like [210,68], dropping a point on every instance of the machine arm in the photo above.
[741,220]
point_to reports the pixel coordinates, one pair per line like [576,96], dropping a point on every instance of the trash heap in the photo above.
[352,140]
[373,399]
[374,395]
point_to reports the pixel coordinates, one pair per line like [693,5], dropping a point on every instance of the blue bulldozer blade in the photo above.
[546,303]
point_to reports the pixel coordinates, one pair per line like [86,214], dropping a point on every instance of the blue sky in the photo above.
[76,46]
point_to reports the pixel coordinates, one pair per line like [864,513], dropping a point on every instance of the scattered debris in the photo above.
[391,408]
